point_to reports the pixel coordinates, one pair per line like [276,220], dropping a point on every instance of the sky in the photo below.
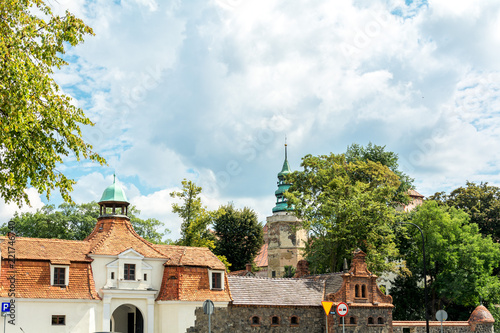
[208,90]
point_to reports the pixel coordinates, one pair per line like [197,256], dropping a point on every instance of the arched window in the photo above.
[380,321]
[294,320]
[356,291]
[370,321]
[352,321]
[255,320]
[363,291]
[275,320]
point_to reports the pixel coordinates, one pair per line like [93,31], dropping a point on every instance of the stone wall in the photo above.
[358,320]
[239,319]
[435,327]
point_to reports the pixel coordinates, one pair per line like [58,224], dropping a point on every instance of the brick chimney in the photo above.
[302,269]
[249,268]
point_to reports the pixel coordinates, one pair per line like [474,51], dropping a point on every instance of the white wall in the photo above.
[35,315]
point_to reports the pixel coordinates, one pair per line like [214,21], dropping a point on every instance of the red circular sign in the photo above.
[342,309]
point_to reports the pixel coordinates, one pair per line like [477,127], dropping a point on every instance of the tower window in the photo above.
[356,291]
[112,275]
[255,320]
[145,277]
[380,321]
[275,320]
[370,321]
[294,320]
[352,321]
[363,291]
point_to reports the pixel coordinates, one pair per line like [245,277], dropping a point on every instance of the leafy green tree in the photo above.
[38,124]
[289,272]
[375,153]
[480,201]
[344,206]
[460,261]
[72,221]
[239,235]
[196,218]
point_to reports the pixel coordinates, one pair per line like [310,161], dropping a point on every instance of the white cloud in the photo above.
[208,90]
[7,211]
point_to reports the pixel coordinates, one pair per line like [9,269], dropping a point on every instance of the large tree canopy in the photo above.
[344,206]
[239,235]
[375,153]
[38,124]
[195,217]
[72,221]
[460,263]
[480,201]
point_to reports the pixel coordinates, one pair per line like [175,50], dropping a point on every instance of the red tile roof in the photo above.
[189,256]
[32,280]
[116,236]
[57,250]
[413,193]
[261,258]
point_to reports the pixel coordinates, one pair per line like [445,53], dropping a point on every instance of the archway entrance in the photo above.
[127,318]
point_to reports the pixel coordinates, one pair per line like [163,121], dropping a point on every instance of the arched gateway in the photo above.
[127,318]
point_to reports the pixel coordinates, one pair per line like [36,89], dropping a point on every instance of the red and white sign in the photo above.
[342,309]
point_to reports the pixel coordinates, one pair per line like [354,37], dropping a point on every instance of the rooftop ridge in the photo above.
[134,233]
[101,241]
[44,239]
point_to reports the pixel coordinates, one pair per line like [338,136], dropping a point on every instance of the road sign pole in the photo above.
[209,323]
[4,321]
[343,325]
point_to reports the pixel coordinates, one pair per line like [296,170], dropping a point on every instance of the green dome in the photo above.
[115,193]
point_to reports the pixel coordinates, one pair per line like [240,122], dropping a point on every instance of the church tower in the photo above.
[286,239]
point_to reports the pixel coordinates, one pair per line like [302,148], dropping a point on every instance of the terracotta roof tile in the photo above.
[33,281]
[47,249]
[413,193]
[276,292]
[113,235]
[261,258]
[189,256]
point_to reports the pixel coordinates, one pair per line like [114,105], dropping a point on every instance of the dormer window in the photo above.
[216,280]
[59,275]
[129,272]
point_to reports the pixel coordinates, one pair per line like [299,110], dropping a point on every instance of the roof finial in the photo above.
[286,149]
[114,177]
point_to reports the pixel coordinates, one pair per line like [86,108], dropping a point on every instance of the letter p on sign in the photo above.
[5,307]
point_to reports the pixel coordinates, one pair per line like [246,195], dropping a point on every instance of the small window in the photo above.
[59,320]
[145,277]
[406,330]
[216,280]
[380,321]
[59,276]
[363,291]
[275,320]
[129,272]
[112,275]
[255,320]
[273,274]
[370,321]
[352,321]
[356,291]
[294,320]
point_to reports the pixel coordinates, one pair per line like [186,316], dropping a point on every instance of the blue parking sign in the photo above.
[5,306]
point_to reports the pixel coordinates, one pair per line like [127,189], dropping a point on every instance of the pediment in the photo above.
[130,254]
